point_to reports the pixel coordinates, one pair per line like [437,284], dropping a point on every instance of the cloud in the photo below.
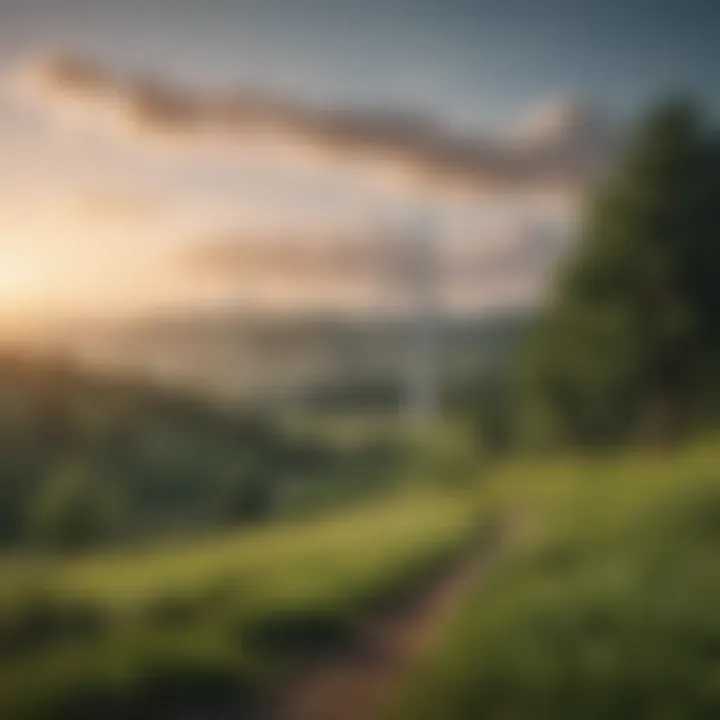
[320,258]
[114,205]
[564,145]
[374,265]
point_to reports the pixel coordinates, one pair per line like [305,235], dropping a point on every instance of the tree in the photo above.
[486,400]
[629,342]
[245,494]
[74,508]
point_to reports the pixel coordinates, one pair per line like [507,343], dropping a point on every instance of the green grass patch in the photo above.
[216,620]
[605,606]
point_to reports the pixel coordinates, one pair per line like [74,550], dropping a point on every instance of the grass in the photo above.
[145,631]
[606,605]
[603,605]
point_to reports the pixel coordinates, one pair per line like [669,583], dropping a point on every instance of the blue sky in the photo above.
[73,197]
[477,61]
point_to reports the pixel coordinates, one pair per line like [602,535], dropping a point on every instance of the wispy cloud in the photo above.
[115,205]
[564,145]
[369,264]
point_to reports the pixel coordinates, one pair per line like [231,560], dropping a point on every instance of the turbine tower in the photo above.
[423,362]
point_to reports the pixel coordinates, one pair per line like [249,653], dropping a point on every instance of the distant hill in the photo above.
[87,457]
[277,359]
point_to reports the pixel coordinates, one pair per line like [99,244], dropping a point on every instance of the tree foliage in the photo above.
[629,344]
[75,509]
[87,457]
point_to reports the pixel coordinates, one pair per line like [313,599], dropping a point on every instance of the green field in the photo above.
[218,619]
[601,603]
[604,605]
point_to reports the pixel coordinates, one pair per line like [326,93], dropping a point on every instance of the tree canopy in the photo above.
[628,346]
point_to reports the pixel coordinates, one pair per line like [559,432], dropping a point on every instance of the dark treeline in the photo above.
[88,458]
[627,349]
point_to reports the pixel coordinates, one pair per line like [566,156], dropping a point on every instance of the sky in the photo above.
[137,134]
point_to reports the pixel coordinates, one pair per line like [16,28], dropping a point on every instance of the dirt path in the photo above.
[356,683]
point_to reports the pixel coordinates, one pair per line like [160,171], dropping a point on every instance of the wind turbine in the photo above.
[423,285]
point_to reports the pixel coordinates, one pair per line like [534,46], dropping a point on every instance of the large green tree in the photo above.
[628,345]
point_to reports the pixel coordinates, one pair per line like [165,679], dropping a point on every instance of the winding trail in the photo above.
[357,682]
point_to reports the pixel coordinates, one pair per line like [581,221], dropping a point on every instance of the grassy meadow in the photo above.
[604,603]
[212,621]
[600,603]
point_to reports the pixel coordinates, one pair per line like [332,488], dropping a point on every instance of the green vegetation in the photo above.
[628,348]
[604,603]
[208,621]
[88,459]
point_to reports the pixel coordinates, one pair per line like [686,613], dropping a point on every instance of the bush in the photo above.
[75,508]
